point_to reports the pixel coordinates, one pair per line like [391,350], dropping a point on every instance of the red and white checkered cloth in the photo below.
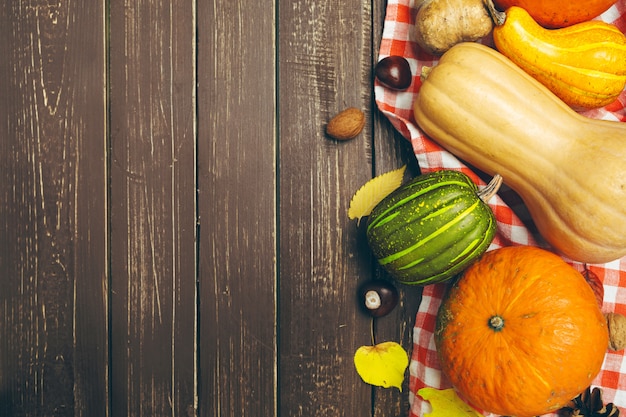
[398,39]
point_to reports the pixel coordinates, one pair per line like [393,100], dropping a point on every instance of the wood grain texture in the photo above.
[237,170]
[392,150]
[53,356]
[324,67]
[153,226]
[174,238]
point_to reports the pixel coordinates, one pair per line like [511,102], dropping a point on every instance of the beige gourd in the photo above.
[440,24]
[570,170]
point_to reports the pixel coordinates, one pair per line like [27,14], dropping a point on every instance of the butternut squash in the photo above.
[583,64]
[570,170]
[559,13]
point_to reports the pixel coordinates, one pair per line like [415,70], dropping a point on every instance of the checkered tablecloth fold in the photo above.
[514,223]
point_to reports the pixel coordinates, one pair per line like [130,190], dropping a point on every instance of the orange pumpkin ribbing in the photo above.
[551,344]
[559,13]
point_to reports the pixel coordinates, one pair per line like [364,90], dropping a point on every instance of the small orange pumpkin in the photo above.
[559,13]
[520,333]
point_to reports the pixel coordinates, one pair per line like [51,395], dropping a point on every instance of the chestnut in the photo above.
[394,72]
[378,298]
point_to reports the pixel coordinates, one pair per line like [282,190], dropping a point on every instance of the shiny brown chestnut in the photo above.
[394,72]
[378,298]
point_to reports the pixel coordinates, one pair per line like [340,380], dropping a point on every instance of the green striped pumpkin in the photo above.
[433,227]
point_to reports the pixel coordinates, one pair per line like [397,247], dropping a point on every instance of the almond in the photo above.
[617,331]
[346,124]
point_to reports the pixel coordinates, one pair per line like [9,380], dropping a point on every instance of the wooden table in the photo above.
[174,238]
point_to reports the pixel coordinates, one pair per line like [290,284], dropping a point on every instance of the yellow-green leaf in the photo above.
[446,403]
[382,365]
[373,192]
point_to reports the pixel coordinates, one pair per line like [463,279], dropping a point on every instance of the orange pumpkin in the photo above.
[559,13]
[520,333]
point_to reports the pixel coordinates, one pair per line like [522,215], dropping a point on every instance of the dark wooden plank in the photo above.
[393,151]
[153,227]
[53,244]
[324,67]
[237,207]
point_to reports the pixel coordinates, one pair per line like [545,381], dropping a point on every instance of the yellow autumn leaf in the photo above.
[446,403]
[373,192]
[382,365]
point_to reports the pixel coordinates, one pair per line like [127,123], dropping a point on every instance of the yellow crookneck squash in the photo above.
[570,170]
[583,64]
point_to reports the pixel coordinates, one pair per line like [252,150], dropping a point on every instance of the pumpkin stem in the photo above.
[496,323]
[491,189]
[497,16]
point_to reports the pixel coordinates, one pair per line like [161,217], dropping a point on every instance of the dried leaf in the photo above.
[446,403]
[373,192]
[596,285]
[382,365]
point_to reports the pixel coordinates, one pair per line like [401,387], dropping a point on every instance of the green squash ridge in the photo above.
[387,219]
[475,243]
[443,229]
[412,264]
[379,219]
[471,247]
[438,212]
[443,275]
